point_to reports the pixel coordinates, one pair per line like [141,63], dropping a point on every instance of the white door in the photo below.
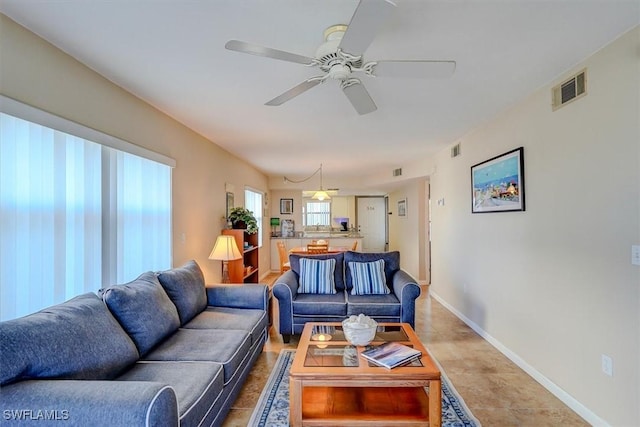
[371,223]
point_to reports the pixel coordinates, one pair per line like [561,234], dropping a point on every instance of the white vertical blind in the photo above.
[144,216]
[50,210]
[75,216]
[317,213]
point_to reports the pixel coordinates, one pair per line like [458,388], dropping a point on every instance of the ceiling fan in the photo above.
[341,55]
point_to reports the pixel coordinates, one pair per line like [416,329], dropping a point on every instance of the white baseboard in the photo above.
[565,397]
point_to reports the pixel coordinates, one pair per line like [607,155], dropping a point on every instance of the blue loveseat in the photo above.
[329,296]
[163,350]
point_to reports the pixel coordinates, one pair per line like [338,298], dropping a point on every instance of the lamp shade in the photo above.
[225,249]
[321,195]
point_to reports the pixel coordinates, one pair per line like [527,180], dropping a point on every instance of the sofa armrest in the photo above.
[407,290]
[90,403]
[285,289]
[286,286]
[254,296]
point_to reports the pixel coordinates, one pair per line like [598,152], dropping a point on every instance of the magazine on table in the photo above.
[391,354]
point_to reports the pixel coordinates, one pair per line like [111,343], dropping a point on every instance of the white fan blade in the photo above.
[365,23]
[295,91]
[414,69]
[253,49]
[359,98]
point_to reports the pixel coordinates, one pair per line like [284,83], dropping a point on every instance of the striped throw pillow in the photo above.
[368,278]
[316,276]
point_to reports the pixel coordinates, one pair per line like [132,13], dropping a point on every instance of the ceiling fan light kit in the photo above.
[335,57]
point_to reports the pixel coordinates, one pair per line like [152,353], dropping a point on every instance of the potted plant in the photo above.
[242,218]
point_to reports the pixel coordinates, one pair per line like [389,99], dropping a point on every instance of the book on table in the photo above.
[391,354]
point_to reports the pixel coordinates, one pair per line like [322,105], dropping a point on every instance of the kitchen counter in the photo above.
[336,239]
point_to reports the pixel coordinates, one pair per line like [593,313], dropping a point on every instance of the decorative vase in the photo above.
[240,225]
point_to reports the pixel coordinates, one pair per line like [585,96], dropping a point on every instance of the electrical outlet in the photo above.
[607,365]
[635,254]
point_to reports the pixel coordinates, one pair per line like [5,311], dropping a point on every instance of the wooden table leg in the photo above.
[295,402]
[435,403]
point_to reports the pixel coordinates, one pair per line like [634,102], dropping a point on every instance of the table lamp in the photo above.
[225,250]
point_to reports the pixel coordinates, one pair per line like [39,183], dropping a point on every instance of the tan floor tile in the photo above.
[497,391]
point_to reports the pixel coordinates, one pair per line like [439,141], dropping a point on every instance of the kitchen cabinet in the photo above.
[244,270]
[343,207]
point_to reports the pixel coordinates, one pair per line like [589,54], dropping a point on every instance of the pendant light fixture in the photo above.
[321,194]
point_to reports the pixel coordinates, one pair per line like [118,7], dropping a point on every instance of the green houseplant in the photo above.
[243,218]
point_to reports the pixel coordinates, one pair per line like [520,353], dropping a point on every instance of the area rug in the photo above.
[272,409]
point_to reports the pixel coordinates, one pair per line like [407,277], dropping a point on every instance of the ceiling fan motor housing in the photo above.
[327,54]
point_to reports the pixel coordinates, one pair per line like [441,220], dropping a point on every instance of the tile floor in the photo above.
[497,391]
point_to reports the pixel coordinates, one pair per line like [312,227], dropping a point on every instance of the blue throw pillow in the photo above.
[144,310]
[78,339]
[316,276]
[185,287]
[338,274]
[368,278]
[391,264]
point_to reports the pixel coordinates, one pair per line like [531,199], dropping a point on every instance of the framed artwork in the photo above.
[402,207]
[229,203]
[286,206]
[497,184]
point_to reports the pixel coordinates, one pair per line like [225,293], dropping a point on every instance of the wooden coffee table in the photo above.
[330,384]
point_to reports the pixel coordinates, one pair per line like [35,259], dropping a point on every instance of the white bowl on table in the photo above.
[359,330]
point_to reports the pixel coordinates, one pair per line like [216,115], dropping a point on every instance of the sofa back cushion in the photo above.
[316,276]
[185,287]
[338,272]
[391,264]
[144,310]
[78,339]
[368,278]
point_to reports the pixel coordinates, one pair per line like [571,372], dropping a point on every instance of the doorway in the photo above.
[371,220]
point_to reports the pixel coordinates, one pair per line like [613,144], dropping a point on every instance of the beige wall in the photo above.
[409,234]
[38,74]
[554,286]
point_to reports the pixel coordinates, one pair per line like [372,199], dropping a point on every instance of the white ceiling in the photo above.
[171,54]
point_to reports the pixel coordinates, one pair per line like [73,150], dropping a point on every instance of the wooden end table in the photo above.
[330,384]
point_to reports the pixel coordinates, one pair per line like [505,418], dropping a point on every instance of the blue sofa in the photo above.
[315,301]
[162,350]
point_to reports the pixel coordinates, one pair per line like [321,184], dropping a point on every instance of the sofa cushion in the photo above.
[320,304]
[338,273]
[185,287]
[316,276]
[253,321]
[197,385]
[374,305]
[368,278]
[391,263]
[227,347]
[144,310]
[78,339]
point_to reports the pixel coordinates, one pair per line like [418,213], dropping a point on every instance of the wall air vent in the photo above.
[397,172]
[569,90]
[455,150]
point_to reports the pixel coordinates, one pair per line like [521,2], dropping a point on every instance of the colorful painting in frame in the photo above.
[497,184]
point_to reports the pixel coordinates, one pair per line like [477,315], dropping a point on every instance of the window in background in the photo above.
[253,202]
[316,213]
[75,215]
